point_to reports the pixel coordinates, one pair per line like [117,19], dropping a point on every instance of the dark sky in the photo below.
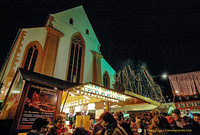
[165,34]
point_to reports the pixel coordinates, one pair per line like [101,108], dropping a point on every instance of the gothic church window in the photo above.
[71,21]
[87,31]
[74,69]
[106,80]
[31,58]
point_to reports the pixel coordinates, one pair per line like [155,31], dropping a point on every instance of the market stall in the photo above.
[92,99]
[30,96]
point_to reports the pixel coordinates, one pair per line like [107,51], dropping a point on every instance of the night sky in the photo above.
[165,34]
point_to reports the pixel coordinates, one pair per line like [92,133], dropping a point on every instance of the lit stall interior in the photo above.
[89,100]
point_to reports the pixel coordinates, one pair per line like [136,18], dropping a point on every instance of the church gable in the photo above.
[77,19]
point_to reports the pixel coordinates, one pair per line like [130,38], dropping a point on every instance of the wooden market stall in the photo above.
[89,98]
[31,95]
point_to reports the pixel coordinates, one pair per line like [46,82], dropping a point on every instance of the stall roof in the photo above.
[45,80]
[135,107]
[90,88]
[145,99]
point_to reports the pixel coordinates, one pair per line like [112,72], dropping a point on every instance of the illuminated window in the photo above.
[106,80]
[74,69]
[31,58]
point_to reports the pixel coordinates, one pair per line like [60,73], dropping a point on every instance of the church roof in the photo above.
[45,80]
[80,21]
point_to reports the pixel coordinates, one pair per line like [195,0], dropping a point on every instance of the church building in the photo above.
[65,48]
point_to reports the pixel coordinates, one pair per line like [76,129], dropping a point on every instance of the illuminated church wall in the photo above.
[23,39]
[61,22]
[106,67]
[80,24]
[31,35]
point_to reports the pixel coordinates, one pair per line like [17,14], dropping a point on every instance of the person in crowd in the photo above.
[59,126]
[171,122]
[176,114]
[196,117]
[40,127]
[139,125]
[119,116]
[165,114]
[159,126]
[192,126]
[153,113]
[133,126]
[110,125]
[97,128]
[81,131]
[73,125]
[149,117]
[127,128]
[145,125]
[91,124]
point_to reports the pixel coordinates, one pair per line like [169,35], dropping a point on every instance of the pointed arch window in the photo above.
[31,58]
[71,21]
[106,80]
[74,69]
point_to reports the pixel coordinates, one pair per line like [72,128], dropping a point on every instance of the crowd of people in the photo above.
[150,123]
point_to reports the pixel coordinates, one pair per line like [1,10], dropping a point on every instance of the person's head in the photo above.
[163,123]
[196,117]
[60,121]
[107,118]
[187,120]
[160,122]
[118,115]
[41,125]
[132,119]
[176,114]
[149,116]
[81,131]
[127,128]
[137,119]
[165,114]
